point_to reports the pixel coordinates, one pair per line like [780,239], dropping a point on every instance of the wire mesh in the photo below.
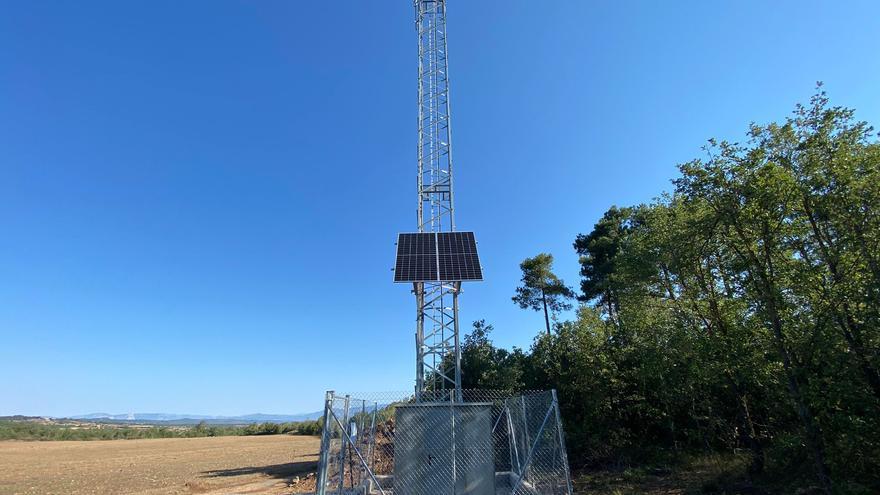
[490,442]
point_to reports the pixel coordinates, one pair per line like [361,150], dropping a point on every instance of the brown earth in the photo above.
[269,465]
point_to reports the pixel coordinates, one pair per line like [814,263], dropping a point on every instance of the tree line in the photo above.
[737,313]
[33,430]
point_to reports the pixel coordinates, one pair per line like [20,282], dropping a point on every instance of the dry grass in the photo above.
[706,474]
[175,466]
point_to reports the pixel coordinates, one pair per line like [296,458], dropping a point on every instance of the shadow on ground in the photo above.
[286,470]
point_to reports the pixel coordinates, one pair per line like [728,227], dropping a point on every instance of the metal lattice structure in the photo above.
[523,445]
[440,439]
[437,331]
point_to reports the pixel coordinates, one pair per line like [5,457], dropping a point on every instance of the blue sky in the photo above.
[198,200]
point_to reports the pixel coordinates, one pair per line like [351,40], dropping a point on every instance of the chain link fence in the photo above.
[481,442]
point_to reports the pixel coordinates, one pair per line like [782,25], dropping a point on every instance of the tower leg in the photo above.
[455,292]
[419,289]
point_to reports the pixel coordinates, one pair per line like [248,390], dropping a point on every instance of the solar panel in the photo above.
[437,257]
[416,258]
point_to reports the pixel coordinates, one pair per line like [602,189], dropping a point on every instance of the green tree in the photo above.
[785,208]
[741,310]
[599,252]
[739,313]
[484,366]
[541,288]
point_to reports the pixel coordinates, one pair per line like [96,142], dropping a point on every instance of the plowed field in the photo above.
[270,465]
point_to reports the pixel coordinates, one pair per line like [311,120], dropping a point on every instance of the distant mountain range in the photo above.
[183,419]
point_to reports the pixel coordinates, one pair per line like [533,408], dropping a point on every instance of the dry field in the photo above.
[174,466]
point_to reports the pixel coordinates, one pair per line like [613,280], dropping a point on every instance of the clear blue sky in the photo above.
[198,200]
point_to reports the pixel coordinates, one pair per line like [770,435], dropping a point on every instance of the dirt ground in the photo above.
[266,465]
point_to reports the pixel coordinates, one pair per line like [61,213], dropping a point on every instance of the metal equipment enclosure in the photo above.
[458,435]
[490,442]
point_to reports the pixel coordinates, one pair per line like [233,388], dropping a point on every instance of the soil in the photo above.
[270,465]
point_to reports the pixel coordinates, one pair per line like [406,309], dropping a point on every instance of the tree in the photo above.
[598,252]
[484,366]
[752,199]
[743,308]
[541,288]
[740,312]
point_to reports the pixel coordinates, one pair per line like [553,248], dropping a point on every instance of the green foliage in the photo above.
[486,366]
[599,257]
[739,313]
[292,428]
[33,430]
[542,289]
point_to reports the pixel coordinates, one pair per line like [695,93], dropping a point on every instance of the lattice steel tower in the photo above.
[438,351]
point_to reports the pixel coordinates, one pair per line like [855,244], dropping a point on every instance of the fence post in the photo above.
[345,440]
[528,435]
[371,453]
[562,442]
[324,459]
[361,439]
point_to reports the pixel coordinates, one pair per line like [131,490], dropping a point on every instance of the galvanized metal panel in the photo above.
[474,450]
[444,448]
[423,450]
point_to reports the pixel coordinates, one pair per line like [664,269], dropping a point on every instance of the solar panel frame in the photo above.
[437,257]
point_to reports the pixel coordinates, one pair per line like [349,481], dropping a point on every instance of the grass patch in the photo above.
[700,474]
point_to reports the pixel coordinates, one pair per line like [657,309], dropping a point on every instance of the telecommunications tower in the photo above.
[436,259]
[442,439]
